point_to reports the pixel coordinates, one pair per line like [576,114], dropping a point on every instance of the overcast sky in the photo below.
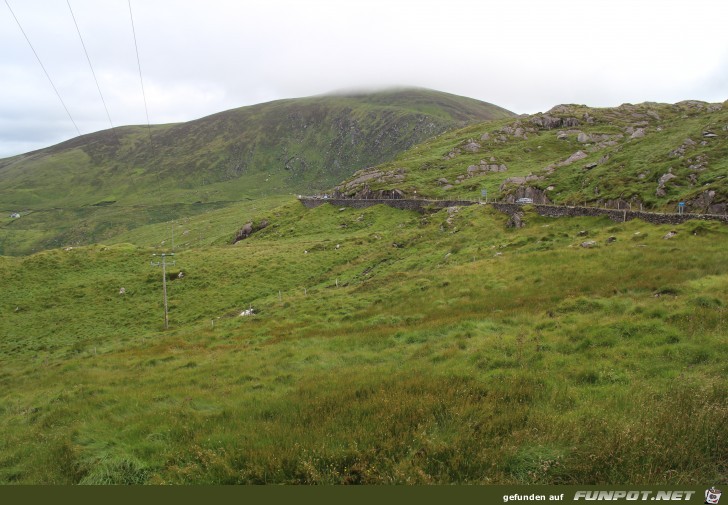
[198,58]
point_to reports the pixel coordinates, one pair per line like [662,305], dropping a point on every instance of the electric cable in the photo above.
[44,69]
[98,87]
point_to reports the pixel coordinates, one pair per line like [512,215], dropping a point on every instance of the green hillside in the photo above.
[385,347]
[98,185]
[650,155]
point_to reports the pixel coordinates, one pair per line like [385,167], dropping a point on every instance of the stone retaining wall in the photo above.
[613,214]
[511,208]
[403,204]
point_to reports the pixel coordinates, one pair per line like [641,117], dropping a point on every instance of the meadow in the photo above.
[385,347]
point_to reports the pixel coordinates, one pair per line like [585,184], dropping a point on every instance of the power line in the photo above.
[43,67]
[144,95]
[146,110]
[91,67]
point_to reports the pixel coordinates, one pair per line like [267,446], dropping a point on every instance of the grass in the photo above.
[387,347]
[93,188]
[616,167]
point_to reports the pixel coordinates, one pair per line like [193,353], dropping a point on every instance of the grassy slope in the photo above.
[628,171]
[387,347]
[76,188]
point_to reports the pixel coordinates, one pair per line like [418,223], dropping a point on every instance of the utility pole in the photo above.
[164,283]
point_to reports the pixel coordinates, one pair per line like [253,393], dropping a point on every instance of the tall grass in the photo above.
[410,353]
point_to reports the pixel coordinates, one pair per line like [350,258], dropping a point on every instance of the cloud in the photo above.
[198,59]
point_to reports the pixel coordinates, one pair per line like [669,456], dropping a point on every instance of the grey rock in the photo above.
[516,220]
[472,147]
[578,155]
[589,244]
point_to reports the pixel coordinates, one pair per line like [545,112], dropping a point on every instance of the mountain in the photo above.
[82,190]
[651,155]
[384,347]
[339,345]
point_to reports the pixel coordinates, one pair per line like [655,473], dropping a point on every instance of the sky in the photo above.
[198,58]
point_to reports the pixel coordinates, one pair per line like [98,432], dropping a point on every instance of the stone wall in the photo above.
[512,208]
[613,214]
[403,204]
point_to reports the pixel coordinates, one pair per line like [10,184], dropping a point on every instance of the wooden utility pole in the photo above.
[164,283]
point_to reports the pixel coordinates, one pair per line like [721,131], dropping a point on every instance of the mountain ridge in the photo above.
[650,155]
[280,147]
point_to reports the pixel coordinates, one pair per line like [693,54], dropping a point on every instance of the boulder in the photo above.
[589,244]
[638,133]
[661,183]
[704,203]
[583,138]
[578,155]
[516,220]
[248,229]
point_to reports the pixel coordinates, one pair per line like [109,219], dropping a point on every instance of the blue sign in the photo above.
[484,192]
[681,204]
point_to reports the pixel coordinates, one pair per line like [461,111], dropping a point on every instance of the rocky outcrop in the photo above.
[578,155]
[367,193]
[685,146]
[485,167]
[248,229]
[660,191]
[516,220]
[360,183]
[537,195]
[707,203]
[548,122]
[519,181]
